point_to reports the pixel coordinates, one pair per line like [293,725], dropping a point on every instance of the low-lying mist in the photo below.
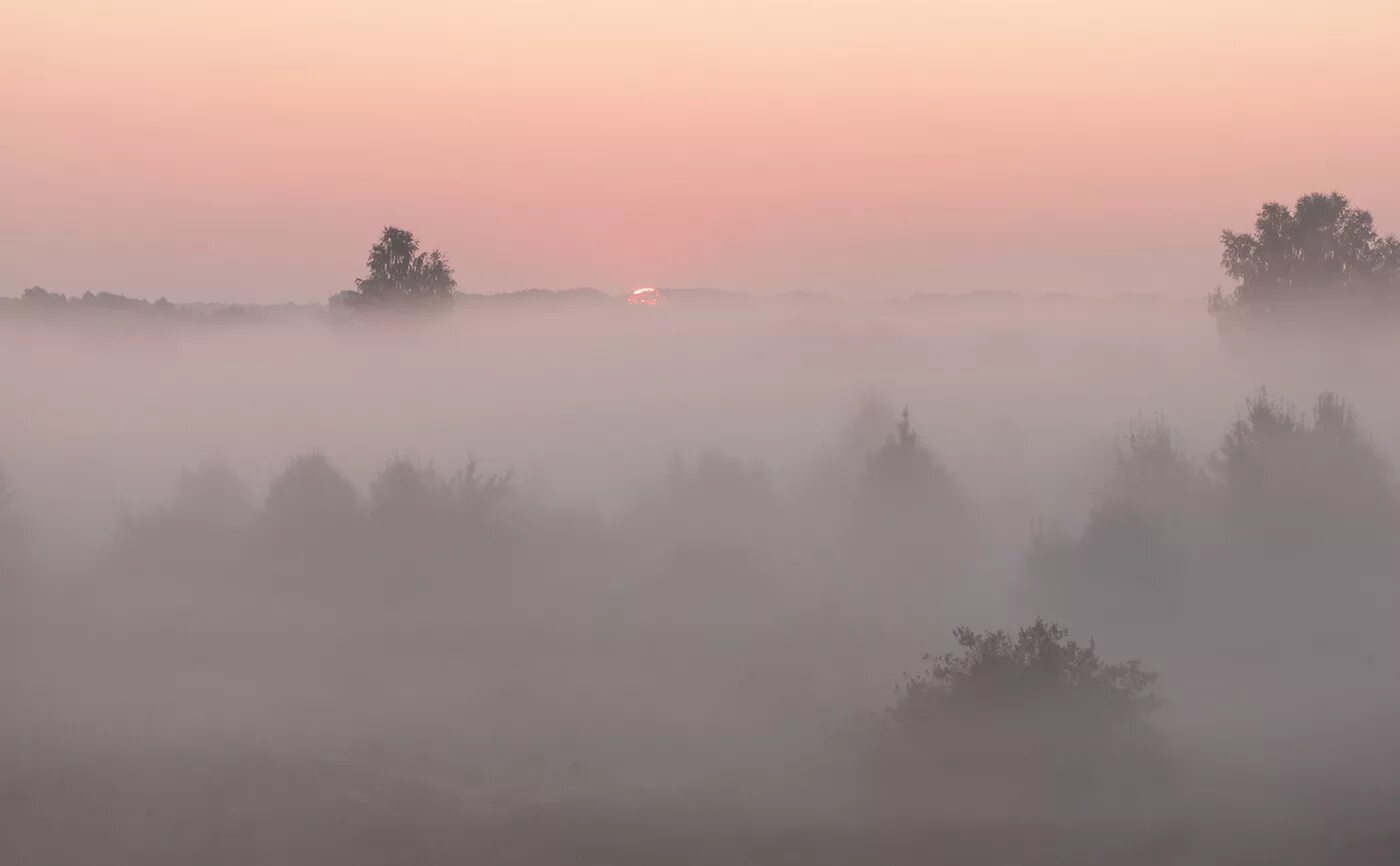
[619,584]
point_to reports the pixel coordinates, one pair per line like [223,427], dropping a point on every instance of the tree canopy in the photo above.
[1035,713]
[401,275]
[997,673]
[1320,254]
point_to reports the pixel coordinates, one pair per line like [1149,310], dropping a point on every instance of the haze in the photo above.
[622,433]
[665,619]
[858,148]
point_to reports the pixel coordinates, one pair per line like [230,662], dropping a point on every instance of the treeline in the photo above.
[37,302]
[1319,263]
[1293,518]
[1293,512]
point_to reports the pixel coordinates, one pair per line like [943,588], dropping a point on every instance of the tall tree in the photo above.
[1323,252]
[400,275]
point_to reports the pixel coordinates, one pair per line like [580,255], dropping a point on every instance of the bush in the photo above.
[1024,722]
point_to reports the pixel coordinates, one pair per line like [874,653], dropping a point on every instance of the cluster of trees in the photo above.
[714,534]
[40,300]
[316,536]
[1306,504]
[401,276]
[1291,512]
[1320,259]
[37,301]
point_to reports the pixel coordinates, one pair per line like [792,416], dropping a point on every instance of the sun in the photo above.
[647,296]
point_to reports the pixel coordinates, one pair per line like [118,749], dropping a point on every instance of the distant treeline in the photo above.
[38,303]
[1320,262]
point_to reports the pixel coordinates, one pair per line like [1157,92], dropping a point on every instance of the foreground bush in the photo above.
[1036,722]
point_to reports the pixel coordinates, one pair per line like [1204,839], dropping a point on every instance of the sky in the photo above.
[252,151]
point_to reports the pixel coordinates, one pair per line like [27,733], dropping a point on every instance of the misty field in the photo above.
[676,585]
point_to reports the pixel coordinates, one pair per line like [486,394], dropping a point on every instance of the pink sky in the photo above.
[251,151]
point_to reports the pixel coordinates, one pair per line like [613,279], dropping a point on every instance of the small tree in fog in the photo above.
[866,430]
[311,491]
[912,519]
[401,276]
[1125,569]
[425,525]
[410,499]
[903,478]
[311,521]
[474,493]
[198,533]
[1035,714]
[406,496]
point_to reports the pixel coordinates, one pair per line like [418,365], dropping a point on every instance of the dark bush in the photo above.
[1031,722]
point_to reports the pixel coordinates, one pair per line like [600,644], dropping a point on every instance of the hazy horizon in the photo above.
[250,153]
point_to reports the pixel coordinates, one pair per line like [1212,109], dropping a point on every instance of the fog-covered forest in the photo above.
[557,578]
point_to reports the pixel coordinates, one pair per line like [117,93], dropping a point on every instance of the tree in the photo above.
[1323,253]
[1036,715]
[311,521]
[198,535]
[400,275]
[903,477]
[39,298]
[1124,572]
[426,527]
[912,520]
[1309,495]
[311,529]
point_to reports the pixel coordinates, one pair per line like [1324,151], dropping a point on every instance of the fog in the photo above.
[610,584]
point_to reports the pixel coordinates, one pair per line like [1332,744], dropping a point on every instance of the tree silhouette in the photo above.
[1123,573]
[39,298]
[1037,714]
[1305,494]
[427,528]
[903,472]
[197,534]
[912,521]
[311,522]
[311,490]
[1322,253]
[400,275]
